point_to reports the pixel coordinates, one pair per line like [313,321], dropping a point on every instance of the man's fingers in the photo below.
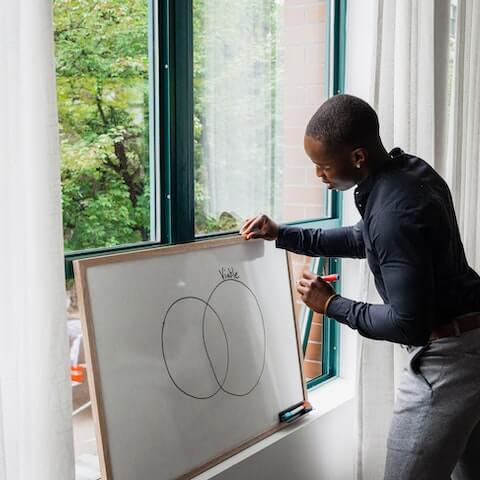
[302,290]
[308,275]
[245,225]
[304,282]
[254,225]
[248,222]
[254,234]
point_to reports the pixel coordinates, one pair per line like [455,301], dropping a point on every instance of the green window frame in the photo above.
[337,12]
[171,151]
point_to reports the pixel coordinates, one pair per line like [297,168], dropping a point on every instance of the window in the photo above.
[180,118]
[260,72]
[103,103]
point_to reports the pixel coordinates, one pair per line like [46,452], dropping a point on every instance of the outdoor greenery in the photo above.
[103,103]
[102,85]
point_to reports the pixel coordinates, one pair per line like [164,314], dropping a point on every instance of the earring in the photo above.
[358,165]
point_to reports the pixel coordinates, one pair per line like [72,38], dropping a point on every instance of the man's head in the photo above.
[342,139]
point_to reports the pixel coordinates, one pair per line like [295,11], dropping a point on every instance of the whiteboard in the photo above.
[193,351]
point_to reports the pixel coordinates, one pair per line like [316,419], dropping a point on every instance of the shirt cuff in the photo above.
[282,239]
[339,308]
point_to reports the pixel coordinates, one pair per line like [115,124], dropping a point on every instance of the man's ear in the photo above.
[359,157]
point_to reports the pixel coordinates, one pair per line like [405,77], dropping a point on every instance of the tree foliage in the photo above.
[102,89]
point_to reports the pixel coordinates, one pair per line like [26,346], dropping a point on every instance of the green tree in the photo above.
[102,88]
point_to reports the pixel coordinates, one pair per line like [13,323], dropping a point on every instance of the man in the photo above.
[410,237]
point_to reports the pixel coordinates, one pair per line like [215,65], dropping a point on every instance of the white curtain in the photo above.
[464,153]
[35,397]
[407,88]
[238,106]
[410,76]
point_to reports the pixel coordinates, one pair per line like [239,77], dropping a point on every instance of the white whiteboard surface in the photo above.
[193,352]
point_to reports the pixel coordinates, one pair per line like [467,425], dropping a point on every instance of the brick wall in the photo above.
[303,47]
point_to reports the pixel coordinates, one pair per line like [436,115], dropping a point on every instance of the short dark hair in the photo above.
[345,120]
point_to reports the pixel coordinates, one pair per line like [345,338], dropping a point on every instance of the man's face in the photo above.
[336,167]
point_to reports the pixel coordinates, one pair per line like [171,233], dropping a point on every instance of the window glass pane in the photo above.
[260,72]
[103,95]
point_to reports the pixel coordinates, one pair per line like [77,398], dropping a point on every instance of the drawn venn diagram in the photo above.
[215,344]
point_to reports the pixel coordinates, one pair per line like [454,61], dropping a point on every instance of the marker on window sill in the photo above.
[330,278]
[294,412]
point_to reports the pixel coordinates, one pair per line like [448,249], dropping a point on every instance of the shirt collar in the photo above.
[362,192]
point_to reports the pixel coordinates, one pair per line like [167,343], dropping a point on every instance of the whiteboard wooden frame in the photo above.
[94,381]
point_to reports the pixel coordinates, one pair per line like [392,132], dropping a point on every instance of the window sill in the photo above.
[325,398]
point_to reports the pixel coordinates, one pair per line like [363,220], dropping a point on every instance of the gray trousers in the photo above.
[435,431]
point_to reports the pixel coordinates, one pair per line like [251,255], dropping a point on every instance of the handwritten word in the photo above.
[228,273]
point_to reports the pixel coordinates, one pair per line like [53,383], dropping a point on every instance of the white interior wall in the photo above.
[320,449]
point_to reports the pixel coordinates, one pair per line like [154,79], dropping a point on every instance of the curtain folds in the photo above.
[408,87]
[464,166]
[35,394]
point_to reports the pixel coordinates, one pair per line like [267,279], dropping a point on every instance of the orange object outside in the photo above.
[77,373]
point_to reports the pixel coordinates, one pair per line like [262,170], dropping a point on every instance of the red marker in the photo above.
[330,278]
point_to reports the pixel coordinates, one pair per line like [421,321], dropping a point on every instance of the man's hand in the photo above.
[259,227]
[314,291]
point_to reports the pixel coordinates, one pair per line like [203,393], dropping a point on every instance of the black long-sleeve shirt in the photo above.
[410,237]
